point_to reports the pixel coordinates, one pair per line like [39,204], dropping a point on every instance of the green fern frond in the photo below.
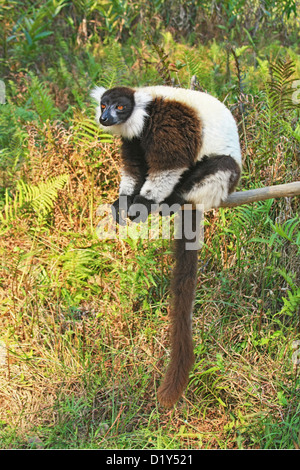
[292,300]
[278,108]
[289,230]
[42,101]
[279,87]
[81,263]
[87,131]
[192,64]
[295,133]
[115,69]
[40,198]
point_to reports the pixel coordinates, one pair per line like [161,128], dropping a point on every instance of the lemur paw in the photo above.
[120,209]
[141,208]
[171,204]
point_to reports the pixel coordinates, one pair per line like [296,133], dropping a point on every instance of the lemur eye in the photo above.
[120,107]
[103,106]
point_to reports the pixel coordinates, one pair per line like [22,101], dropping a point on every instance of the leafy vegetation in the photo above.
[84,321]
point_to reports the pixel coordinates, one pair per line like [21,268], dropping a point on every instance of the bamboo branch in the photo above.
[260,194]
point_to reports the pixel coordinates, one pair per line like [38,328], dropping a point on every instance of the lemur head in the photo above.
[116,106]
[122,110]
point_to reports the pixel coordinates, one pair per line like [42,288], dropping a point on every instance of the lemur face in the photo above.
[116,106]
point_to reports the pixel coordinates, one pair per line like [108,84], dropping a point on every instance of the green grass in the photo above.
[84,321]
[91,362]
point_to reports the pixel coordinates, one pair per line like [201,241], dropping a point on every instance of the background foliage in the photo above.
[83,323]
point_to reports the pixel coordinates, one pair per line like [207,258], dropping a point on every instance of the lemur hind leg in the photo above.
[208,182]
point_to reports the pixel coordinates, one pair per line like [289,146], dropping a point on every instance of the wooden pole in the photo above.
[260,194]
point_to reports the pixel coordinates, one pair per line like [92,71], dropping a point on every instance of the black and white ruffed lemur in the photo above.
[178,146]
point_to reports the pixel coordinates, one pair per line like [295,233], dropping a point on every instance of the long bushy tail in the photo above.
[183,286]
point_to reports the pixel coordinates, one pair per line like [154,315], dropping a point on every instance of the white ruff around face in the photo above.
[96,94]
[133,127]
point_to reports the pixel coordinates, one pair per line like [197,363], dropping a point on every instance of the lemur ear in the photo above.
[142,98]
[97,93]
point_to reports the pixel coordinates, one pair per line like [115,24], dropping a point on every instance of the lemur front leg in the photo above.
[133,176]
[120,208]
[128,192]
[157,192]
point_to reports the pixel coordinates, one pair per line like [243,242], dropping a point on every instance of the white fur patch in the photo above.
[160,185]
[211,191]
[127,185]
[96,94]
